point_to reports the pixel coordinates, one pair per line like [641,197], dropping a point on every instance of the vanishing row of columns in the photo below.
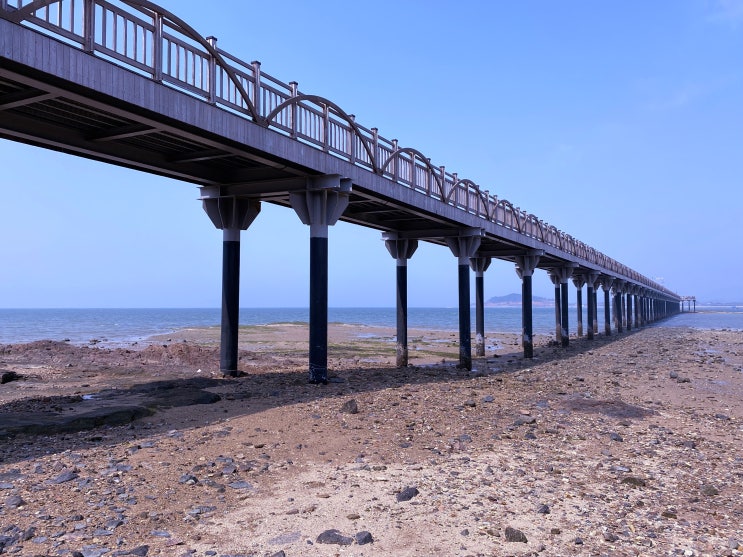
[322,204]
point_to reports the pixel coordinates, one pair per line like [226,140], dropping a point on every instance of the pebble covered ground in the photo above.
[632,446]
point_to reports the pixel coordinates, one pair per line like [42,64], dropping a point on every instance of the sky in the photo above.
[620,122]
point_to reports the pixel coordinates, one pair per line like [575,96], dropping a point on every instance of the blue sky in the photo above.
[620,122]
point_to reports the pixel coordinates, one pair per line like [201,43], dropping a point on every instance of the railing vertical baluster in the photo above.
[257,87]
[293,110]
[454,198]
[88,26]
[212,72]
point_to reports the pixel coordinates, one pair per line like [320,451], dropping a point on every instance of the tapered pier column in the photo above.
[560,277]
[401,250]
[579,280]
[480,265]
[525,265]
[320,206]
[230,214]
[591,279]
[630,315]
[465,247]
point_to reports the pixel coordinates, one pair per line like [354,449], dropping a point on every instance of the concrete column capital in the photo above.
[400,249]
[561,275]
[322,203]
[480,264]
[465,245]
[525,264]
[229,212]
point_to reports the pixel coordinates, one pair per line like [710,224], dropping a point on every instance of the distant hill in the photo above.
[514,300]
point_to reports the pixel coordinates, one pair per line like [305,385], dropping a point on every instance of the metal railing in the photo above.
[147,39]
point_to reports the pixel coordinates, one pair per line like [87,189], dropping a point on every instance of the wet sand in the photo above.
[630,446]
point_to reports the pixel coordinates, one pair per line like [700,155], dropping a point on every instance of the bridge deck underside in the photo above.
[60,116]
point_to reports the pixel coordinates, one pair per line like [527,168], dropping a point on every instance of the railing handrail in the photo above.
[168,50]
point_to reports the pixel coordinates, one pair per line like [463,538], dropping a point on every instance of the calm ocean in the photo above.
[113,327]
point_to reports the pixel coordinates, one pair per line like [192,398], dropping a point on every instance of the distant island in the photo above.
[514,300]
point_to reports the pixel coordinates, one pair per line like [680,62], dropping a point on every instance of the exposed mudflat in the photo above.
[628,447]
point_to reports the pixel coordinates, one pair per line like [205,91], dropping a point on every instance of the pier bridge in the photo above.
[129,83]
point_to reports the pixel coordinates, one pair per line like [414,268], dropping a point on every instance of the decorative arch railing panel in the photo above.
[151,41]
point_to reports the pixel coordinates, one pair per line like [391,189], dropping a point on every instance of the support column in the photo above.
[618,312]
[525,265]
[591,279]
[401,250]
[606,286]
[560,277]
[480,265]
[630,293]
[579,280]
[320,206]
[558,314]
[465,247]
[230,214]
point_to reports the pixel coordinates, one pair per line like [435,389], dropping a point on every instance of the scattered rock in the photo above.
[514,535]
[709,490]
[614,436]
[543,509]
[407,494]
[363,537]
[334,537]
[350,407]
[8,376]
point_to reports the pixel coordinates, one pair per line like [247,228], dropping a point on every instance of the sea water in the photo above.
[123,326]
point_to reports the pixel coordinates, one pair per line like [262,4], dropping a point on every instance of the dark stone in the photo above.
[240,485]
[633,481]
[363,537]
[710,490]
[514,535]
[350,407]
[614,436]
[9,376]
[544,509]
[610,537]
[674,375]
[578,541]
[407,494]
[334,537]
[683,380]
[525,420]
[14,501]
[66,476]
[279,554]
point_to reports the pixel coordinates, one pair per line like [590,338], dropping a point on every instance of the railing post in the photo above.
[375,148]
[325,128]
[257,88]
[394,160]
[443,181]
[157,48]
[351,141]
[212,72]
[88,24]
[293,112]
[412,171]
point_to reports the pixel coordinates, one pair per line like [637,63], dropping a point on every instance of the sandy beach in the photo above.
[626,446]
